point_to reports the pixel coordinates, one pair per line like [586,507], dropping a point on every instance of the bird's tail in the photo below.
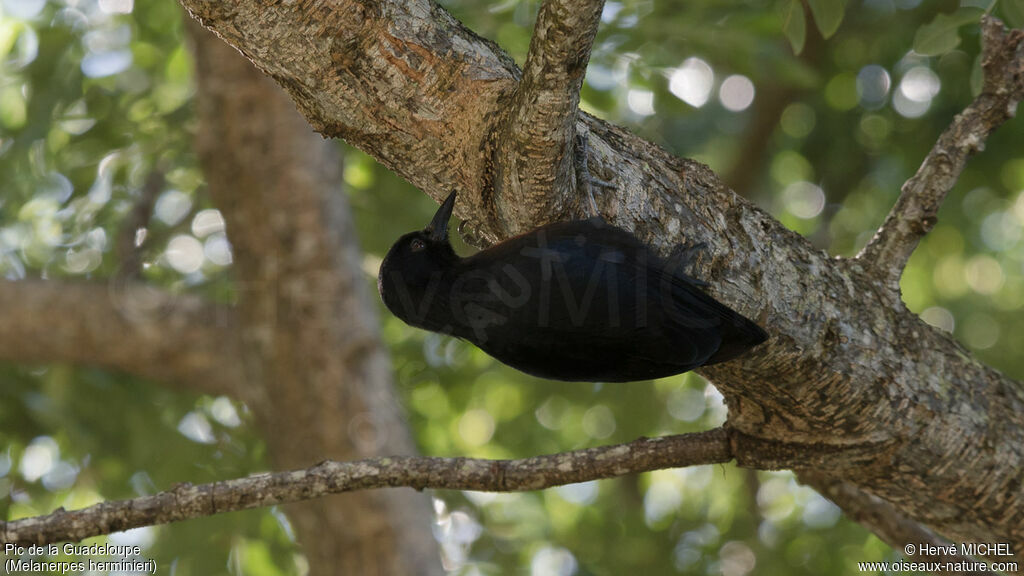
[739,334]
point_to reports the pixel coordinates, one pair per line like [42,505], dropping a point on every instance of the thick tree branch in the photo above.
[451,79]
[917,208]
[125,326]
[534,167]
[330,477]
[888,523]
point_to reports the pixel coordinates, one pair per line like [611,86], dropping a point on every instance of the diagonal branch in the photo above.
[186,501]
[534,156]
[125,326]
[886,522]
[917,208]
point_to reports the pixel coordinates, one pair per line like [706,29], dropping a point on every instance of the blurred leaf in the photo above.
[942,34]
[794,26]
[1013,12]
[977,76]
[828,14]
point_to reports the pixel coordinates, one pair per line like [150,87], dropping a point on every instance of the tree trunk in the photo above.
[319,379]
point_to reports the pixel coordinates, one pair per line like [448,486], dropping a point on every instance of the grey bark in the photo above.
[847,366]
[187,501]
[535,145]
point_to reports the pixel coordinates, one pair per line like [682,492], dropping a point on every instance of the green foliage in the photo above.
[1013,12]
[943,33]
[828,14]
[794,25]
[90,102]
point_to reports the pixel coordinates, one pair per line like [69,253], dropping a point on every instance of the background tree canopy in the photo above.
[96,95]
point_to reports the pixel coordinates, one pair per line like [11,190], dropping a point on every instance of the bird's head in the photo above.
[414,267]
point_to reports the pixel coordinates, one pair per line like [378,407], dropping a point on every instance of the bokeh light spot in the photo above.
[797,120]
[939,317]
[873,83]
[692,82]
[641,102]
[841,91]
[599,422]
[101,64]
[24,9]
[553,561]
[581,493]
[980,331]
[737,559]
[117,6]
[185,254]
[476,427]
[920,84]
[686,404]
[804,199]
[40,456]
[196,428]
[736,93]
[172,206]
[207,222]
[984,274]
[1001,231]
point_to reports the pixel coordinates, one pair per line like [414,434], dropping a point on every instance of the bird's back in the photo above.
[583,300]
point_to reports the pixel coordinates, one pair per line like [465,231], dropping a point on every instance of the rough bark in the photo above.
[536,143]
[188,501]
[888,524]
[124,326]
[319,378]
[847,365]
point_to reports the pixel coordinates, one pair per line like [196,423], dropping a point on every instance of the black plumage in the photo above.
[579,300]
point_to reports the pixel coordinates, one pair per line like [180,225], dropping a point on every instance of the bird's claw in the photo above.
[583,170]
[684,256]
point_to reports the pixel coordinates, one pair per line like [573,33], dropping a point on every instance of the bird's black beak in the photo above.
[438,228]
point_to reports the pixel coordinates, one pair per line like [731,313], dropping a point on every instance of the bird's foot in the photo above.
[583,176]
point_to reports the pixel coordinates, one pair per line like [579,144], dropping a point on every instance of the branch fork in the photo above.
[534,168]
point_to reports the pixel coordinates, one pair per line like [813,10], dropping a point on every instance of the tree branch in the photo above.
[916,210]
[186,501]
[888,523]
[534,168]
[125,326]
[716,446]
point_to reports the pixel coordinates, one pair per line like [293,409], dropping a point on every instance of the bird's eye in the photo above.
[417,245]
